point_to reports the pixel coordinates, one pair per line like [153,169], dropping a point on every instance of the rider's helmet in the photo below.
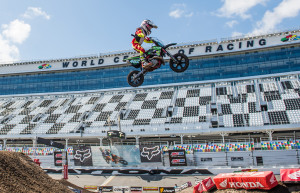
[147,25]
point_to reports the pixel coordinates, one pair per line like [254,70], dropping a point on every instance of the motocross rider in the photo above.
[140,36]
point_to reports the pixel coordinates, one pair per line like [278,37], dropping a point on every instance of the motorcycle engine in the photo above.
[153,61]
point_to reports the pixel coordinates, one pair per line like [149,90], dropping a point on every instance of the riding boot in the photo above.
[145,64]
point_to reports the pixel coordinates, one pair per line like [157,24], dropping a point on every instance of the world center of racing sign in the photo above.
[191,50]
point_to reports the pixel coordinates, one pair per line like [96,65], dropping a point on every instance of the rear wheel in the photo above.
[133,80]
[181,64]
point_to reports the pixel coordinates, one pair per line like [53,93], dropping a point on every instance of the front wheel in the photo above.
[181,64]
[134,80]
[124,162]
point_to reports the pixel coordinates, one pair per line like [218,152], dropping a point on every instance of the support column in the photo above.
[137,141]
[34,145]
[181,139]
[4,144]
[101,140]
[223,134]
[34,142]
[270,135]
[66,146]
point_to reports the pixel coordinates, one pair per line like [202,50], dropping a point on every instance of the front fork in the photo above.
[144,72]
[171,56]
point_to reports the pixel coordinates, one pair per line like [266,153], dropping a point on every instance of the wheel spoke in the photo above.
[180,59]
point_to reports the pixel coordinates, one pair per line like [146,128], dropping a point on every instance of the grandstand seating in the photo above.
[243,103]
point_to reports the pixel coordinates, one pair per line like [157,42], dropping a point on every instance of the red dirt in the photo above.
[18,173]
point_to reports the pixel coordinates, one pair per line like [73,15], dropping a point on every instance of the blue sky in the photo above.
[52,29]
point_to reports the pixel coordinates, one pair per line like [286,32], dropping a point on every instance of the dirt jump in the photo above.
[18,173]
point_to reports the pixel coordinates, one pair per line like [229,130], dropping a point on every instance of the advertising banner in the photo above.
[57,158]
[204,185]
[150,153]
[82,156]
[186,185]
[106,189]
[121,189]
[136,189]
[166,190]
[150,189]
[116,155]
[290,175]
[246,180]
[90,187]
[50,143]
[177,158]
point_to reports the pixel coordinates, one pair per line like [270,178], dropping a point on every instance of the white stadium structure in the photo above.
[236,105]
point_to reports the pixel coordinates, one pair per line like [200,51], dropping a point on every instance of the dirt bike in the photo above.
[109,157]
[178,62]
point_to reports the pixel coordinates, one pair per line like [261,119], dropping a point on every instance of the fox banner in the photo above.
[150,153]
[290,175]
[177,158]
[82,156]
[246,180]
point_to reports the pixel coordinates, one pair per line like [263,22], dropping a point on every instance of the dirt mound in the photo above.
[18,173]
[281,188]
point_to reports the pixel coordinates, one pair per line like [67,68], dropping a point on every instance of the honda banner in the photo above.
[246,180]
[204,185]
[290,175]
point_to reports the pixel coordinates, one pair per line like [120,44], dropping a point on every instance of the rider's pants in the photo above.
[137,47]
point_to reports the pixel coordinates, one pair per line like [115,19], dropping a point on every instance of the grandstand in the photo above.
[243,89]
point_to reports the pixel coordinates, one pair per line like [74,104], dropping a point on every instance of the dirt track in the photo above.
[18,173]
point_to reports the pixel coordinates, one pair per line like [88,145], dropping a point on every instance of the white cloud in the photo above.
[180,10]
[8,52]
[236,34]
[176,13]
[17,31]
[286,9]
[239,8]
[231,23]
[32,12]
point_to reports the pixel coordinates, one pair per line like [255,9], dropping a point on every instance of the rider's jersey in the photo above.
[140,37]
